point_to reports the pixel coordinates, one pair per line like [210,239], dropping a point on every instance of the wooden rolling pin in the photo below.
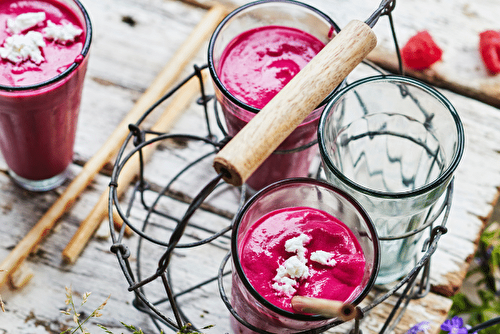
[270,127]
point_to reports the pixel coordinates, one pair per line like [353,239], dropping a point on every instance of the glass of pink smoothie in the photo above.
[44,47]
[393,143]
[252,55]
[305,226]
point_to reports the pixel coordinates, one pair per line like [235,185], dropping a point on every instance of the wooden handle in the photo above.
[165,79]
[325,307]
[270,127]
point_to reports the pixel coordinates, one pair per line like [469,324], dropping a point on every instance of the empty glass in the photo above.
[392,143]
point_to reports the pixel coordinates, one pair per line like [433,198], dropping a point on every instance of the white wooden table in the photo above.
[133,40]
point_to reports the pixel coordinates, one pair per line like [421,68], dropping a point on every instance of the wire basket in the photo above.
[178,273]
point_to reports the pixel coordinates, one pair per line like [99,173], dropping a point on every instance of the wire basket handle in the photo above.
[244,153]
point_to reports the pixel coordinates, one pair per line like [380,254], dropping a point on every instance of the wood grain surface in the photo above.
[133,40]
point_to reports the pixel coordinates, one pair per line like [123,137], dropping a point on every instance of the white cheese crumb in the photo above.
[323,258]
[62,33]
[18,48]
[24,21]
[295,268]
[288,273]
[296,245]
[285,286]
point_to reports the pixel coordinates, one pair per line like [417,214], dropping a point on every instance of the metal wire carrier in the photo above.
[168,236]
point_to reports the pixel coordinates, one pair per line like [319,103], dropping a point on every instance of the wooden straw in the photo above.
[325,307]
[88,227]
[160,85]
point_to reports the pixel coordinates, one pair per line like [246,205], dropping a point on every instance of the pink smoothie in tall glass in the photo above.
[302,251]
[254,67]
[39,40]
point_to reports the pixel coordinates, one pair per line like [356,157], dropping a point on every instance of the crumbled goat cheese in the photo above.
[285,286]
[287,274]
[24,21]
[323,258]
[293,267]
[62,33]
[18,48]
[296,245]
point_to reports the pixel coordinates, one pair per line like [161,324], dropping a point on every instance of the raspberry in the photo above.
[489,48]
[420,52]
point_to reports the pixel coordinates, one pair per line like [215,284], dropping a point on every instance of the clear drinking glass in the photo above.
[393,144]
[38,121]
[294,156]
[296,192]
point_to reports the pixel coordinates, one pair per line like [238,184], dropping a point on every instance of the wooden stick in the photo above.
[88,227]
[267,130]
[118,223]
[325,307]
[160,85]
[2,305]
[21,277]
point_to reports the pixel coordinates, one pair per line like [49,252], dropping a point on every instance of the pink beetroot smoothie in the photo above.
[263,250]
[254,67]
[37,126]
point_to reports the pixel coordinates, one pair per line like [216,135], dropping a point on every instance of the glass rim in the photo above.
[217,31]
[303,180]
[443,177]
[71,68]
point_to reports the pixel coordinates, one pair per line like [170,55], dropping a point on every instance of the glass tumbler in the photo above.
[393,144]
[38,118]
[256,313]
[295,155]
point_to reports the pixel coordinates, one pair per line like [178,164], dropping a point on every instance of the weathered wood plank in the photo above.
[125,59]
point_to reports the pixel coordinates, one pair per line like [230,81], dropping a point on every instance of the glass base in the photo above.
[39,185]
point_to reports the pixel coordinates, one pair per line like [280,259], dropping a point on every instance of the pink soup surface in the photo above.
[258,63]
[262,251]
[58,57]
